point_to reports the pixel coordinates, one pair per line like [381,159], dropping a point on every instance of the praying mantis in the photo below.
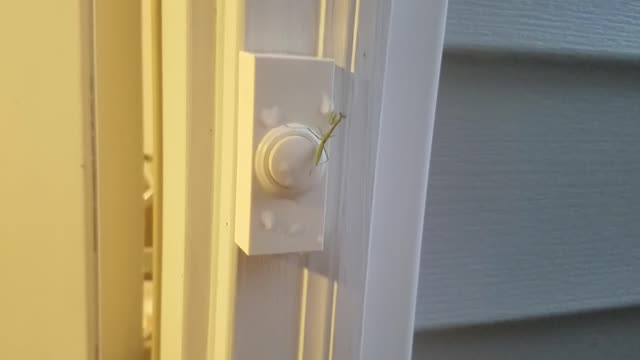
[334,120]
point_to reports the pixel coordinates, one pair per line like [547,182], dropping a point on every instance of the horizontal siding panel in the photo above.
[533,206]
[595,336]
[573,27]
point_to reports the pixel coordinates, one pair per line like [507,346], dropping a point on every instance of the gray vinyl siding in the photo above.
[608,335]
[533,205]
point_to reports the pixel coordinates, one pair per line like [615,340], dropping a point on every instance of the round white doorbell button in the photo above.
[285,160]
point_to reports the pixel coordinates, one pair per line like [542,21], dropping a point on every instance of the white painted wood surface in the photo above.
[533,193]
[268,287]
[282,26]
[276,282]
[310,306]
[400,187]
[568,27]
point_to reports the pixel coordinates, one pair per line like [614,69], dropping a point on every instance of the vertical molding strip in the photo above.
[224,252]
[322,18]
[174,164]
[153,84]
[319,285]
[120,222]
[404,147]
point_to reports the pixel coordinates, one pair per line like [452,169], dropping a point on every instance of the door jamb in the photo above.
[224,252]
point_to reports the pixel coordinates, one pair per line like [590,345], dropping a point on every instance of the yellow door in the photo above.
[70,180]
[46,240]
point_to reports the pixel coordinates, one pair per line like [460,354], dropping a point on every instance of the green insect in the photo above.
[334,121]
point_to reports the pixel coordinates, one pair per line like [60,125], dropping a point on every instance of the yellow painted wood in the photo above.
[244,153]
[201,88]
[152,113]
[354,44]
[224,252]
[118,116]
[46,232]
[174,165]
[197,308]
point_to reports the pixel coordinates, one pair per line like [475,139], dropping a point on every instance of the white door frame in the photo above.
[356,299]
[402,167]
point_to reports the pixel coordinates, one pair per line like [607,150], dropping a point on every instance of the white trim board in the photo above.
[306,306]
[312,306]
[402,164]
[295,293]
